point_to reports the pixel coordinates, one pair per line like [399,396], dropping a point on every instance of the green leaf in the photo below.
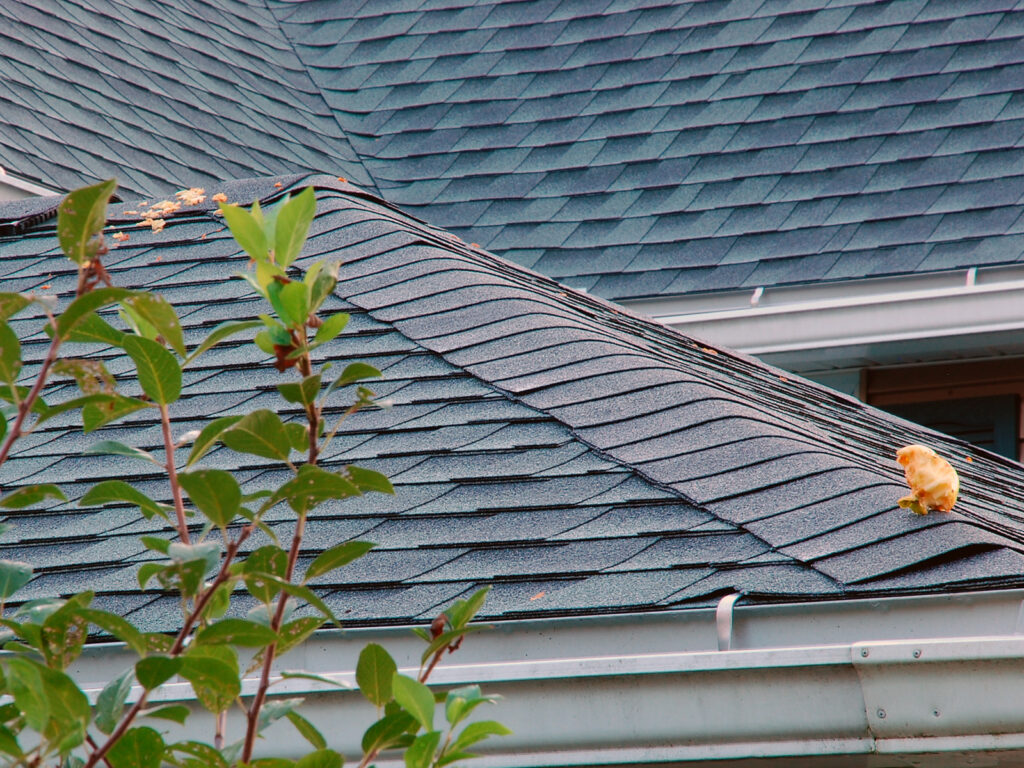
[304,392]
[205,552]
[237,632]
[336,557]
[97,414]
[218,334]
[159,313]
[158,371]
[323,283]
[95,330]
[331,327]
[9,742]
[156,544]
[101,399]
[208,756]
[273,710]
[215,492]
[64,632]
[117,626]
[295,632]
[12,303]
[25,684]
[310,487]
[415,698]
[31,494]
[83,307]
[154,671]
[307,730]
[147,571]
[294,297]
[177,713]
[110,702]
[387,732]
[119,449]
[140,747]
[463,611]
[210,434]
[246,230]
[374,673]
[322,758]
[420,753]
[368,480]
[80,220]
[295,590]
[10,354]
[298,435]
[267,559]
[114,491]
[53,704]
[292,227]
[355,372]
[214,681]
[475,732]
[260,433]
[288,675]
[460,702]
[91,376]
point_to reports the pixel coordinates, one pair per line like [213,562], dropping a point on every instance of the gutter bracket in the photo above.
[723,620]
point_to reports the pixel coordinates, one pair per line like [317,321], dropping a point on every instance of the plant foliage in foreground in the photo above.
[46,719]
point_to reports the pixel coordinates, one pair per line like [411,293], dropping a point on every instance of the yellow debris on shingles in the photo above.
[934,484]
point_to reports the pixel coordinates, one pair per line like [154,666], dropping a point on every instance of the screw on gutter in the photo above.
[864,652]
[917,653]
[936,713]
[881,714]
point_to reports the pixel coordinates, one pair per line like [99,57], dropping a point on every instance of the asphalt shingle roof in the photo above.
[579,458]
[630,149]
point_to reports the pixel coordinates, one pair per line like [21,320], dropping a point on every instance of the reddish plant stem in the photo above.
[26,405]
[253,716]
[172,475]
[176,648]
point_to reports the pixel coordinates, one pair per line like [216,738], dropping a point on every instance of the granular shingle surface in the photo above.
[631,150]
[579,458]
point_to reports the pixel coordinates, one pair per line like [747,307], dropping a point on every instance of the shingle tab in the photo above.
[583,459]
[513,126]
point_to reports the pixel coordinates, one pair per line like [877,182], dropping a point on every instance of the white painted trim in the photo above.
[968,307]
[806,681]
[24,185]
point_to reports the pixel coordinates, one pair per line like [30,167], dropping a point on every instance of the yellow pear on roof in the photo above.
[934,484]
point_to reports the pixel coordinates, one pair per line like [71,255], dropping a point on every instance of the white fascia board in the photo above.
[21,187]
[854,313]
[650,689]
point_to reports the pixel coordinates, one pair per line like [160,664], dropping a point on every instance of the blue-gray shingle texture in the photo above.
[711,145]
[579,458]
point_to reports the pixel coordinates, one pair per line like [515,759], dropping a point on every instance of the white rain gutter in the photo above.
[15,188]
[855,313]
[651,689]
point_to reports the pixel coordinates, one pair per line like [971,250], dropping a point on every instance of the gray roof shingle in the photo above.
[581,458]
[710,139]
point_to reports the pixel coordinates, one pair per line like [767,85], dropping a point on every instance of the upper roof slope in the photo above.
[636,148]
[582,459]
[158,93]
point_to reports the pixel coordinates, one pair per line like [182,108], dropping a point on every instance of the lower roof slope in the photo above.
[580,458]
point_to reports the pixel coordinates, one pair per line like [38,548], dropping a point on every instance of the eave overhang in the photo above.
[815,327]
[930,681]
